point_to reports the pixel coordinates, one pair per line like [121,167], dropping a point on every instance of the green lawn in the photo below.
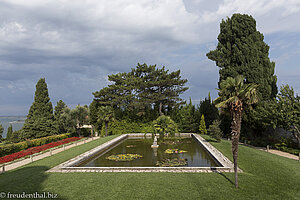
[266,176]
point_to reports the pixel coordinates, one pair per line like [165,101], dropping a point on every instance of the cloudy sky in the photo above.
[76,44]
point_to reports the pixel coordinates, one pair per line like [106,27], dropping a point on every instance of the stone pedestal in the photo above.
[155,145]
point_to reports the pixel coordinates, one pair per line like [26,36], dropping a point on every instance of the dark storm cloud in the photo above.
[76,44]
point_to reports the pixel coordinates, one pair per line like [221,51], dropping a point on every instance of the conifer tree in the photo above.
[143,86]
[9,132]
[58,111]
[214,130]
[40,119]
[202,127]
[241,50]
[1,131]
[186,117]
[209,110]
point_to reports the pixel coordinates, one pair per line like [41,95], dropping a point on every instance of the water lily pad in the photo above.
[172,162]
[174,151]
[130,146]
[124,157]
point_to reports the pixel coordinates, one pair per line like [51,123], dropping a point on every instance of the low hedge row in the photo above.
[16,147]
[123,127]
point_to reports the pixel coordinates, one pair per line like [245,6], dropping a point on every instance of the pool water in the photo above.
[196,156]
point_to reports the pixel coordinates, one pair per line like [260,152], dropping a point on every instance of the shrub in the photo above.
[202,126]
[165,125]
[124,127]
[33,150]
[15,147]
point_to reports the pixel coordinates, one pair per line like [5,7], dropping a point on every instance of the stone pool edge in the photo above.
[69,166]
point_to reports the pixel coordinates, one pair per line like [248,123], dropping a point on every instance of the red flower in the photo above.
[33,150]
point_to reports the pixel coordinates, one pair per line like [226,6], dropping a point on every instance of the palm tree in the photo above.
[106,114]
[236,95]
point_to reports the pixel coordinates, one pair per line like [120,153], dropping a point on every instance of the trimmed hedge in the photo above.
[16,147]
[123,127]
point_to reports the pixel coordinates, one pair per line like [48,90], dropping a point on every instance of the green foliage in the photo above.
[236,95]
[241,50]
[145,87]
[165,125]
[68,123]
[214,130]
[209,110]
[288,112]
[202,126]
[187,118]
[93,115]
[282,112]
[106,114]
[288,109]
[58,111]
[9,132]
[40,119]
[80,115]
[234,90]
[72,120]
[1,131]
[16,147]
[124,157]
[16,136]
[123,127]
[278,182]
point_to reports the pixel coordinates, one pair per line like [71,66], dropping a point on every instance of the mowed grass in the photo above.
[266,176]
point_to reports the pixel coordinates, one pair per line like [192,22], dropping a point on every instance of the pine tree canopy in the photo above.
[143,86]
[241,50]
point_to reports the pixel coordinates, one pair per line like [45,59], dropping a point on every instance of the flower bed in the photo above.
[34,150]
[174,151]
[124,157]
[172,162]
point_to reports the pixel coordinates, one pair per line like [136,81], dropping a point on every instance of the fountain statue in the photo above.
[155,145]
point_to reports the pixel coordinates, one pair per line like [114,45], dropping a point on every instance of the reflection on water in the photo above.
[195,155]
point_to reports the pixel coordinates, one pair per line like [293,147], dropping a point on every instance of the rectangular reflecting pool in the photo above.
[193,154]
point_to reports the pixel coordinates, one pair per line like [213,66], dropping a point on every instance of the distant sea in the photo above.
[17,123]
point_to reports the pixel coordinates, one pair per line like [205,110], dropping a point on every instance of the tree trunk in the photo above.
[236,129]
[298,138]
[297,135]
[106,125]
[160,109]
[78,132]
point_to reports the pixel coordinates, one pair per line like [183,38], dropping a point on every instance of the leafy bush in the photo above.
[165,125]
[282,145]
[33,150]
[124,127]
[15,147]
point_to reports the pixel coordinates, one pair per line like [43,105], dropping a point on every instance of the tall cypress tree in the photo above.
[9,132]
[1,131]
[40,119]
[241,50]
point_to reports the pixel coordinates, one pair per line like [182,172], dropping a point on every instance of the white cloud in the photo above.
[75,44]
